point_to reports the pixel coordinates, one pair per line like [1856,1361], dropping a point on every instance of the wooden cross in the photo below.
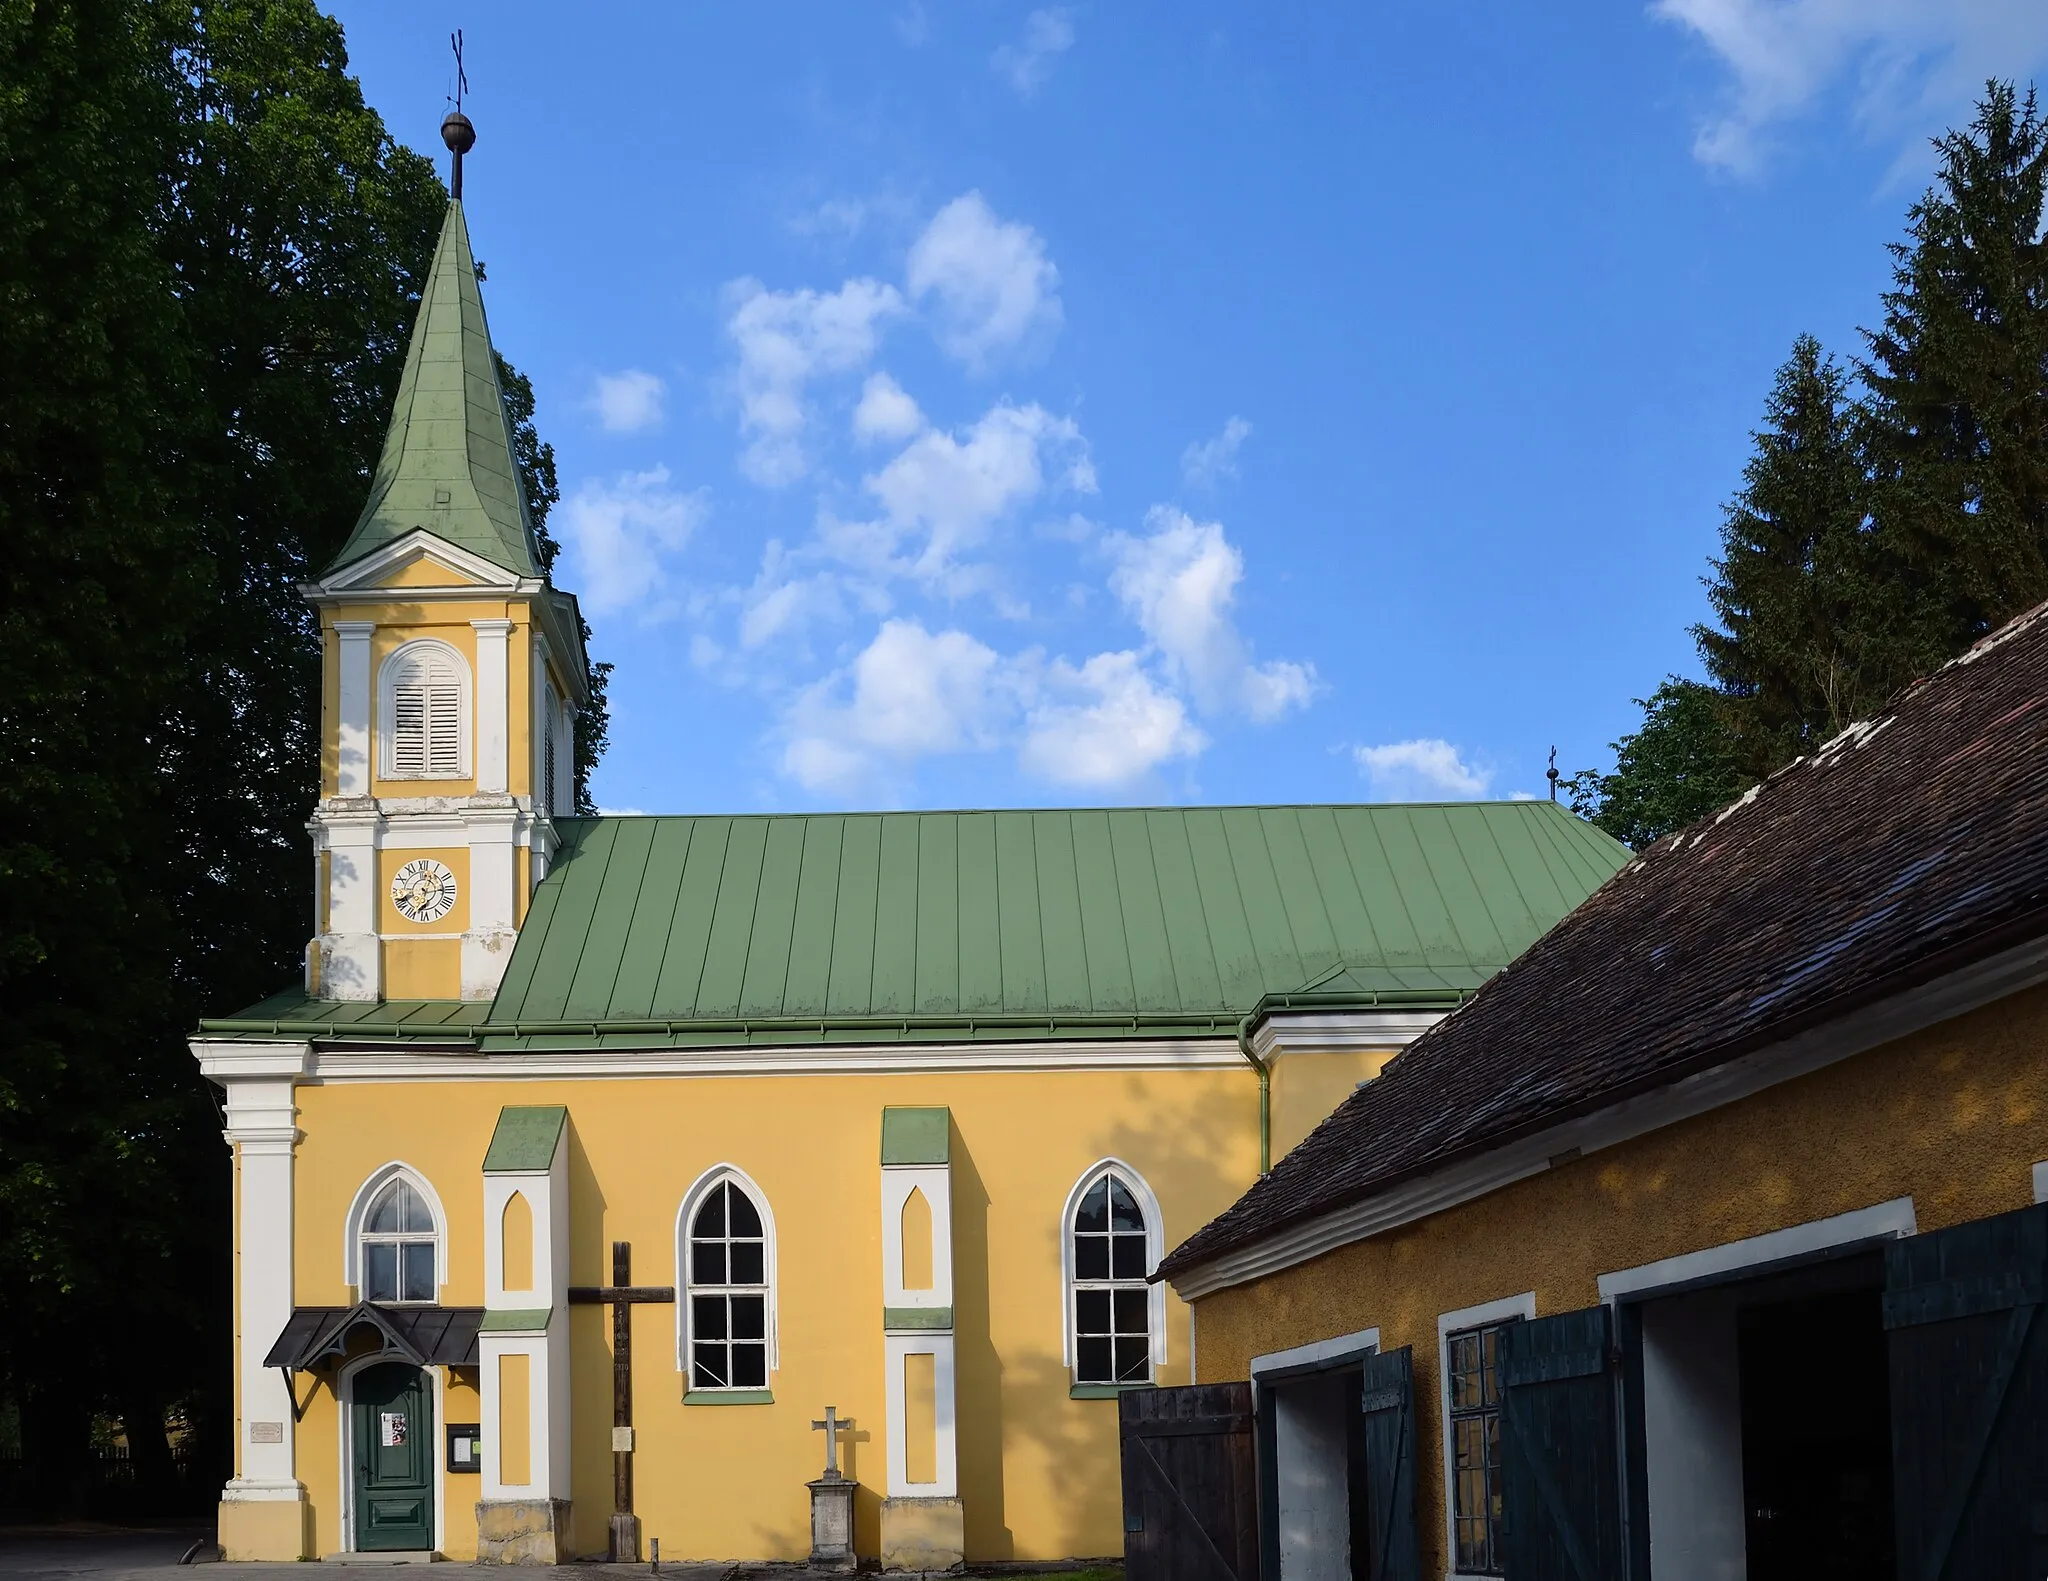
[622,1295]
[831,1427]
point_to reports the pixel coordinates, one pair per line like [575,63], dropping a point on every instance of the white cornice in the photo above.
[2023,966]
[1333,1031]
[353,582]
[225,1060]
[810,1059]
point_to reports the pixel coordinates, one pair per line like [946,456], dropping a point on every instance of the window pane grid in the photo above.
[728,1277]
[1112,1304]
[1472,1370]
[399,1247]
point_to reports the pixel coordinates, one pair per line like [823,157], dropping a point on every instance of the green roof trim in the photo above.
[447,465]
[524,1320]
[525,1140]
[917,1136]
[915,1320]
[941,927]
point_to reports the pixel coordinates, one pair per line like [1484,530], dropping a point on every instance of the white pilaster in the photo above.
[917,1157]
[532,1323]
[899,1348]
[935,1183]
[493,884]
[493,705]
[352,717]
[351,952]
[263,1131]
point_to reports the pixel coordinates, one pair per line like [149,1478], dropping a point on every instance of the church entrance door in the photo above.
[392,1428]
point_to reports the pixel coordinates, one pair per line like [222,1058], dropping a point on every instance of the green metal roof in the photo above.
[524,1139]
[447,465]
[917,1136]
[1016,924]
[942,926]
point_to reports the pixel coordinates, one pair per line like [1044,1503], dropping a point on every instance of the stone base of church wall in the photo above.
[523,1532]
[923,1534]
[272,1529]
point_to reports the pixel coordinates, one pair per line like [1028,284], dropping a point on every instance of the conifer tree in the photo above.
[1795,586]
[1956,419]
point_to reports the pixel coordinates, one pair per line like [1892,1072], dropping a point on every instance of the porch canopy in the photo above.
[425,1336]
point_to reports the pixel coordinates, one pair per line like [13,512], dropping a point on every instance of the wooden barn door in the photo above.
[1559,1455]
[1969,1379]
[1387,1397]
[1190,1499]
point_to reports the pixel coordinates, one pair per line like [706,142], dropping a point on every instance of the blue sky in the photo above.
[991,404]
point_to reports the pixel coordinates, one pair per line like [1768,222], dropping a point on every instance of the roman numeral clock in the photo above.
[423,891]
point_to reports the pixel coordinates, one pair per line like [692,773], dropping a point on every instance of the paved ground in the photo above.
[84,1553]
[104,1553]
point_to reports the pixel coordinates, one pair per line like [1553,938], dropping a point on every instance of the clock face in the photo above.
[423,891]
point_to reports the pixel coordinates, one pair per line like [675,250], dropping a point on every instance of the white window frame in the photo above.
[387,710]
[1155,1249]
[700,1188]
[359,1212]
[1522,1306]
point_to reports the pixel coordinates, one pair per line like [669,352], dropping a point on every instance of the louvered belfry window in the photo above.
[424,697]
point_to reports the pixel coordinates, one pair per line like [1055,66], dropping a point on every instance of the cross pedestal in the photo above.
[832,1503]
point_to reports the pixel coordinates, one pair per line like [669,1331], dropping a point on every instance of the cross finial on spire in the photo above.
[456,131]
[1552,775]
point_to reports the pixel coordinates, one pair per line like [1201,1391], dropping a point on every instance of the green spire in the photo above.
[447,464]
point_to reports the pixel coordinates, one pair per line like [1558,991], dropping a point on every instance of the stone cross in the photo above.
[831,1427]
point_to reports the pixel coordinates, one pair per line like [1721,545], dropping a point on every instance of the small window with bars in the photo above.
[399,1246]
[423,698]
[1112,1301]
[1472,1370]
[728,1291]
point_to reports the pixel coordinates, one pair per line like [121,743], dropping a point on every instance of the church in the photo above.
[764,1186]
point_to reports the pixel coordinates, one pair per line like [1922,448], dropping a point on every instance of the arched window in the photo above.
[400,1246]
[1112,1237]
[426,713]
[728,1259]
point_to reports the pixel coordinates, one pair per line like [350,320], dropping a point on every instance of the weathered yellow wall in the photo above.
[1955,1117]
[1038,1470]
[1308,1086]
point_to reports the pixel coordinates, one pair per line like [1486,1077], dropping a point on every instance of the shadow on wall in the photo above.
[590,1355]
[978,1370]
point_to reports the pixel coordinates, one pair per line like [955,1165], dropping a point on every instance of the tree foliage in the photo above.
[1885,523]
[210,259]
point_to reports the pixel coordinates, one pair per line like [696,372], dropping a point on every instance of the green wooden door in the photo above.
[394,1458]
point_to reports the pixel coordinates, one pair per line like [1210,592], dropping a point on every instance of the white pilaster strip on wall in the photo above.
[935,1181]
[536,725]
[945,1456]
[547,1195]
[492,834]
[352,719]
[351,951]
[493,705]
[262,1128]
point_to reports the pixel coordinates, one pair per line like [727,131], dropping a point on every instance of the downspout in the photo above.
[1244,1047]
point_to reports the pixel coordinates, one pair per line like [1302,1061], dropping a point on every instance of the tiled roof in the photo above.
[447,464]
[1914,842]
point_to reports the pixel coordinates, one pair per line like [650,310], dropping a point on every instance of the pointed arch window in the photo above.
[728,1258]
[395,1242]
[1112,1237]
[426,713]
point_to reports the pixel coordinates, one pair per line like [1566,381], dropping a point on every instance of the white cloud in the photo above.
[910,693]
[886,411]
[628,401]
[1179,583]
[1105,724]
[1423,770]
[1025,65]
[619,535]
[1914,63]
[1208,462]
[786,339]
[952,489]
[995,290]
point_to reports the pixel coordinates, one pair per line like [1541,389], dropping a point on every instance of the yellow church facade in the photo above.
[597,1156]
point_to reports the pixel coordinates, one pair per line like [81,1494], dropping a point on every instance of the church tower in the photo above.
[453,671]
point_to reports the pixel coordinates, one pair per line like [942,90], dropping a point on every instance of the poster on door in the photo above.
[392,1433]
